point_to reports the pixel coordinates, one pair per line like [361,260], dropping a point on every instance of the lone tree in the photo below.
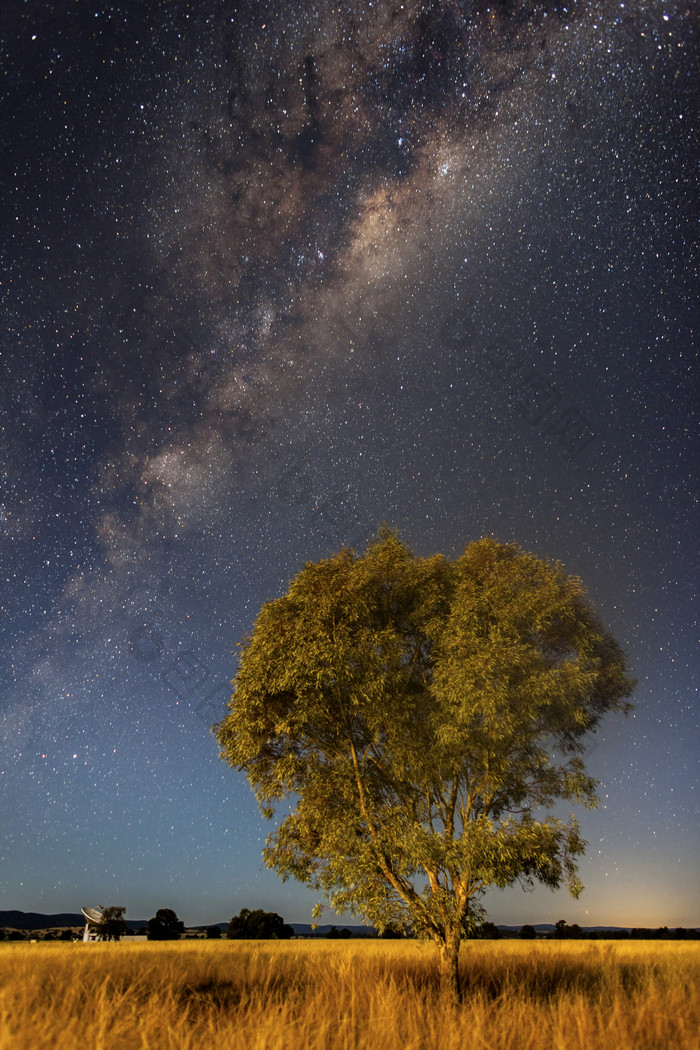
[258,925]
[113,925]
[165,926]
[422,717]
[527,933]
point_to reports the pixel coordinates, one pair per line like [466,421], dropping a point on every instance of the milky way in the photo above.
[275,274]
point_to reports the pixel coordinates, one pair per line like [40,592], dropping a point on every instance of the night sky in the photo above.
[273,274]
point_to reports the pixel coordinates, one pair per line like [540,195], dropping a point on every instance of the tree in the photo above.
[569,933]
[213,933]
[488,932]
[527,933]
[113,925]
[421,717]
[258,925]
[392,933]
[334,934]
[165,926]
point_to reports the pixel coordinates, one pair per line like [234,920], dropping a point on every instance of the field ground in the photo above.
[349,995]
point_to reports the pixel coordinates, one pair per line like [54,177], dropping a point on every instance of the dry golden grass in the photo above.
[350,995]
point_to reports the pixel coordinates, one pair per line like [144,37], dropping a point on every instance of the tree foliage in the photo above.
[165,926]
[113,925]
[422,717]
[527,933]
[488,931]
[258,925]
[563,931]
[334,934]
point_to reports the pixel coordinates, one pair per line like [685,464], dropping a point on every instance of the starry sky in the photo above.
[273,274]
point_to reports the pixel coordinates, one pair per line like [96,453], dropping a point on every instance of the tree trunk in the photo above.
[450,986]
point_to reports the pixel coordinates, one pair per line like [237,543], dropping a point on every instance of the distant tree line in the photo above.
[334,934]
[563,931]
[262,925]
[642,934]
[66,933]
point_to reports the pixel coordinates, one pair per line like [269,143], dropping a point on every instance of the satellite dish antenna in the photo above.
[93,917]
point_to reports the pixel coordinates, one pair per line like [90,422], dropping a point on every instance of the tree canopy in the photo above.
[420,718]
[258,925]
[113,925]
[165,926]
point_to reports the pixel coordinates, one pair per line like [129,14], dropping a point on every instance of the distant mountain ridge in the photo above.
[31,920]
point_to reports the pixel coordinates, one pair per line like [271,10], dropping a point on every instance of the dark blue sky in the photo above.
[274,274]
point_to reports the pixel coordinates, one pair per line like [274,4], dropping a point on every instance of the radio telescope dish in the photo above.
[93,917]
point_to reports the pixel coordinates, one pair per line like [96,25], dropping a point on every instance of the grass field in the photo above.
[350,994]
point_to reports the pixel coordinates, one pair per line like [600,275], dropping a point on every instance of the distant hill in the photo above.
[32,920]
[544,928]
